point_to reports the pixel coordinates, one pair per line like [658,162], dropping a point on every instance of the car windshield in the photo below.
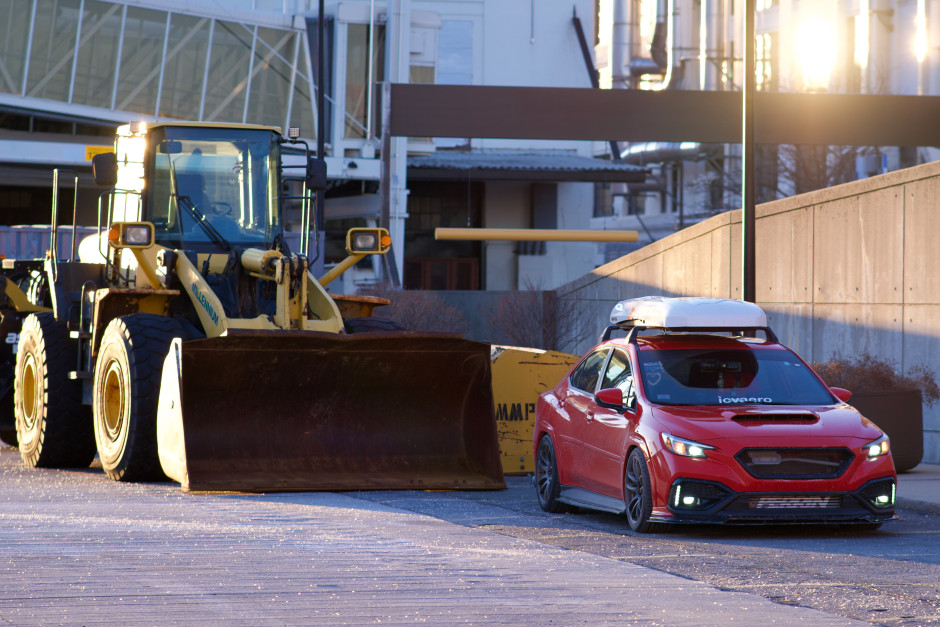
[213,185]
[704,376]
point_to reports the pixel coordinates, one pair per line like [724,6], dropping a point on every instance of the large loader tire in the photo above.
[53,427]
[125,395]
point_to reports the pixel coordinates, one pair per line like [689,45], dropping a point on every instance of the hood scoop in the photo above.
[771,418]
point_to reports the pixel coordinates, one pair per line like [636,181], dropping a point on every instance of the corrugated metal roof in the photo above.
[518,165]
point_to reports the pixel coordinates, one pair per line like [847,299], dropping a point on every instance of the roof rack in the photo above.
[687,315]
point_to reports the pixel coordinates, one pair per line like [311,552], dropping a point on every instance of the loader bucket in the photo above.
[292,410]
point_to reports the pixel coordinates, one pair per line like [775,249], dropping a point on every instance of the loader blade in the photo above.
[292,410]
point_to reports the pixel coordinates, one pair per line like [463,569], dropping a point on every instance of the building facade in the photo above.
[71,70]
[834,46]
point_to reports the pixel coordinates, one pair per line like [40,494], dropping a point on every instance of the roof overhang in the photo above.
[521,166]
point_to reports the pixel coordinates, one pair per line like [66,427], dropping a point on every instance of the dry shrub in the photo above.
[866,372]
[419,311]
[535,318]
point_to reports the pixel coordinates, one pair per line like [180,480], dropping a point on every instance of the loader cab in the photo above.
[205,188]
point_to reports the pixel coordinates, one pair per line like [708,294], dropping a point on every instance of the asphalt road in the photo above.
[886,577]
[81,550]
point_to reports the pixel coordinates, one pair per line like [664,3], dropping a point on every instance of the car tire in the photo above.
[638,494]
[547,486]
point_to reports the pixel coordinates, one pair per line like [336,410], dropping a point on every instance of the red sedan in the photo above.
[699,415]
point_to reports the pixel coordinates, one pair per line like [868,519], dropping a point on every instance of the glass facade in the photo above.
[155,62]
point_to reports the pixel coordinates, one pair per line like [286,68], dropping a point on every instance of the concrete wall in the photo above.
[840,271]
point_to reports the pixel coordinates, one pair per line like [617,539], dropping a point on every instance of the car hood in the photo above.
[767,421]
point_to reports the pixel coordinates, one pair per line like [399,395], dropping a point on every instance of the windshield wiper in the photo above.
[202,221]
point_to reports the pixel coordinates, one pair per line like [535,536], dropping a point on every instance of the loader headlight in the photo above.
[366,241]
[131,234]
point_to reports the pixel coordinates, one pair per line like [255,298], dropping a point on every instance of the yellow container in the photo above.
[519,376]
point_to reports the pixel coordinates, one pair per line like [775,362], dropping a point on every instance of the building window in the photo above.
[853,69]
[766,62]
[357,75]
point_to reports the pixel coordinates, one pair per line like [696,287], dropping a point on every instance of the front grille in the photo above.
[795,463]
[795,502]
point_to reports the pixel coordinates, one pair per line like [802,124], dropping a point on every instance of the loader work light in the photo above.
[366,241]
[131,235]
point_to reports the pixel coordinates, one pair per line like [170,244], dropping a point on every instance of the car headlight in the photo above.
[685,448]
[877,448]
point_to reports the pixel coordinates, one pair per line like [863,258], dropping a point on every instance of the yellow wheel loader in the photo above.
[186,339]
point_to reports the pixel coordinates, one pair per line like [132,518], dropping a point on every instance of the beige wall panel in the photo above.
[721,263]
[850,330]
[784,245]
[857,248]
[641,279]
[734,255]
[921,241]
[922,347]
[881,216]
[793,325]
[687,269]
[837,265]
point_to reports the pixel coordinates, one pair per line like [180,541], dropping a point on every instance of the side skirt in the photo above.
[579,497]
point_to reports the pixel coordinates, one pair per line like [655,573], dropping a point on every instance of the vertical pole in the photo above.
[166,45]
[117,59]
[205,74]
[748,188]
[319,214]
[78,43]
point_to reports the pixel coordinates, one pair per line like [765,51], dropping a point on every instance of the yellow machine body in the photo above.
[519,376]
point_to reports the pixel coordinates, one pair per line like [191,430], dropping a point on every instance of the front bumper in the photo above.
[700,501]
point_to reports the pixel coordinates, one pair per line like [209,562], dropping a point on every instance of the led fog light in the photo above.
[696,495]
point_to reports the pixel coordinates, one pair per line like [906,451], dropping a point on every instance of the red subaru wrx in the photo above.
[699,415]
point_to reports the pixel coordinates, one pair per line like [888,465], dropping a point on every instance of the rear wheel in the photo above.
[638,494]
[126,391]
[53,427]
[547,486]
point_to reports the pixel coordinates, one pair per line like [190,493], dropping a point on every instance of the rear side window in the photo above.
[587,373]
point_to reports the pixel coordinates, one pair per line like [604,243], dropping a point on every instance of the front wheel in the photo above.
[126,391]
[547,485]
[638,494]
[52,426]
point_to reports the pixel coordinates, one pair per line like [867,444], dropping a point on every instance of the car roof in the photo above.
[673,341]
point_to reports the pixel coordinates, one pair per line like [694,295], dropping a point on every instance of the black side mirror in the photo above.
[104,169]
[316,173]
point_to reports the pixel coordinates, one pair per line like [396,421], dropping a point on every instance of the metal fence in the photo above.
[32,242]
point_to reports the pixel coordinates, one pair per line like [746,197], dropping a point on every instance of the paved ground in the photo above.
[81,550]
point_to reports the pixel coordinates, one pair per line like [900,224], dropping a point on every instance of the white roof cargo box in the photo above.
[689,313]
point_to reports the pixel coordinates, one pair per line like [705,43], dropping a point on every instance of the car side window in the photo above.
[587,373]
[619,374]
